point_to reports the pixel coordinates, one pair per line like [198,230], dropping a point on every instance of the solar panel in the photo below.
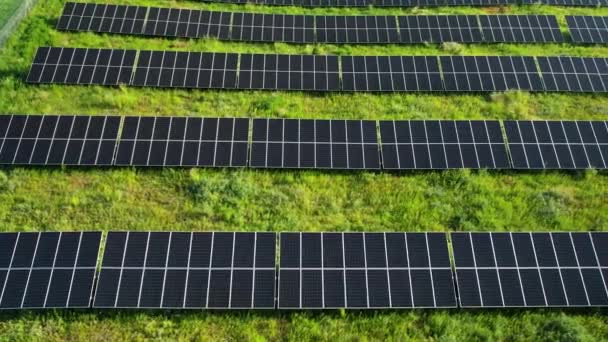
[58,140]
[171,69]
[273,28]
[442,145]
[578,3]
[181,141]
[439,28]
[81,66]
[574,74]
[327,144]
[365,270]
[102,18]
[356,29]
[558,144]
[490,73]
[175,22]
[289,72]
[530,269]
[187,270]
[588,29]
[47,270]
[391,73]
[520,28]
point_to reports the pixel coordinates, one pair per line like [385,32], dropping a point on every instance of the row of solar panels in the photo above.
[227,270]
[206,70]
[299,143]
[174,22]
[414,3]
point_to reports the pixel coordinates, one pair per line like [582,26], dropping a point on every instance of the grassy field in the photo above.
[181,199]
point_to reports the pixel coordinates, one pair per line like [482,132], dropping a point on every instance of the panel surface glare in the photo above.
[530,269]
[364,270]
[47,270]
[180,270]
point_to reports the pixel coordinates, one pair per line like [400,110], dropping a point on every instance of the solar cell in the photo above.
[47,270]
[529,269]
[520,28]
[439,28]
[364,270]
[289,72]
[490,73]
[558,144]
[187,270]
[181,141]
[442,145]
[588,29]
[82,66]
[58,140]
[326,144]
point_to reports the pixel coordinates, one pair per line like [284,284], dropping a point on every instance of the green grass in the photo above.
[204,199]
[7,9]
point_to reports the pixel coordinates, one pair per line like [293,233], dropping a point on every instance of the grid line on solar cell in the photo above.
[188,270]
[442,145]
[558,144]
[520,28]
[574,74]
[58,140]
[183,141]
[82,66]
[47,270]
[588,29]
[331,144]
[364,270]
[530,269]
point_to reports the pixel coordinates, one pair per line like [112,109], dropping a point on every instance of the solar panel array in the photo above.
[558,144]
[301,143]
[170,69]
[442,145]
[365,270]
[187,270]
[258,27]
[47,270]
[413,3]
[588,29]
[327,144]
[58,140]
[531,269]
[354,270]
